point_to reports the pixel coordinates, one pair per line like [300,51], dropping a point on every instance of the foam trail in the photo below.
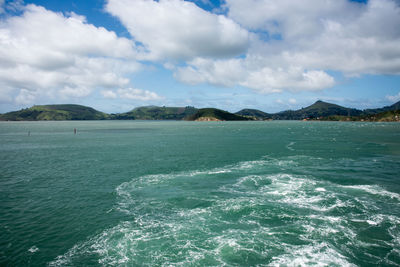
[290,146]
[251,213]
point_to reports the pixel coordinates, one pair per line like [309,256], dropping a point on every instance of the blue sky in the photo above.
[270,55]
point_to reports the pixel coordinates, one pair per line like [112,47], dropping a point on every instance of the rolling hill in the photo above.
[156,113]
[395,106]
[254,113]
[55,112]
[213,114]
[316,110]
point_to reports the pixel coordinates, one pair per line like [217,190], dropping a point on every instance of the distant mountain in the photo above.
[213,114]
[254,113]
[156,113]
[316,110]
[55,112]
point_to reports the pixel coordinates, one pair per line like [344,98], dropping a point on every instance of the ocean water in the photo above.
[140,193]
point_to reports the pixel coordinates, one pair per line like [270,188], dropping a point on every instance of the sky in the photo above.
[115,55]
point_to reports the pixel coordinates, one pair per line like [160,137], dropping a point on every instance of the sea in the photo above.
[178,193]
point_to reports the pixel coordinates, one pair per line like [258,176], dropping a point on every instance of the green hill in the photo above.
[54,112]
[213,114]
[395,106]
[316,110]
[386,116]
[156,113]
[254,113]
[392,115]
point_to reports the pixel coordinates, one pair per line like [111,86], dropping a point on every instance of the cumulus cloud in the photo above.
[25,97]
[177,29]
[43,53]
[217,72]
[138,94]
[248,73]
[268,46]
[109,94]
[293,44]
[355,38]
[132,94]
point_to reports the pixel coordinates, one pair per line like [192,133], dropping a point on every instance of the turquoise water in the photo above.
[132,193]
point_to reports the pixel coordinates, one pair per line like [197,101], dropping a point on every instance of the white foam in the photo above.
[191,231]
[311,255]
[219,171]
[372,222]
[374,190]
[289,146]
[33,249]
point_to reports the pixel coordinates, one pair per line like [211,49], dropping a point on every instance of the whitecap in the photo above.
[290,146]
[370,222]
[311,255]
[33,249]
[374,190]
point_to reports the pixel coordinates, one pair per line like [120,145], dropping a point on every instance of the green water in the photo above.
[132,193]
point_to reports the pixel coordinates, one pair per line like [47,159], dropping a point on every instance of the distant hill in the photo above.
[213,114]
[156,113]
[254,113]
[395,106]
[55,112]
[316,110]
[392,115]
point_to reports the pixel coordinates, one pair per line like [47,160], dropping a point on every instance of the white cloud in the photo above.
[56,56]
[268,80]
[249,73]
[292,19]
[268,46]
[217,72]
[131,94]
[177,29]
[25,97]
[355,38]
[137,94]
[109,94]
[393,98]
[77,91]
[311,37]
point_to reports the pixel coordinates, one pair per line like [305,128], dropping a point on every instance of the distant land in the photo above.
[55,113]
[320,110]
[213,114]
[156,113]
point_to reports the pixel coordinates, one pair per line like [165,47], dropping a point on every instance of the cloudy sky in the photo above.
[115,55]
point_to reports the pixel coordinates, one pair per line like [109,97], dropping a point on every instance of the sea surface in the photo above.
[171,193]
